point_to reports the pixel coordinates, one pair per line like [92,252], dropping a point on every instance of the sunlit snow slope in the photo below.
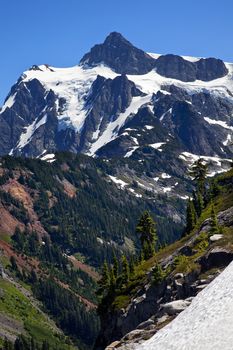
[205,325]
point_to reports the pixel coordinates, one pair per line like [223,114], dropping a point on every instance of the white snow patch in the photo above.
[204,325]
[218,122]
[191,59]
[216,237]
[135,140]
[167,189]
[129,129]
[216,165]
[110,133]
[164,114]
[184,197]
[187,58]
[100,240]
[157,145]
[154,55]
[48,156]
[190,158]
[29,131]
[149,127]
[130,152]
[165,176]
[9,103]
[136,194]
[228,140]
[119,182]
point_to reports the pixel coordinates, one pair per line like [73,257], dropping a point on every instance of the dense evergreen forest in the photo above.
[98,209]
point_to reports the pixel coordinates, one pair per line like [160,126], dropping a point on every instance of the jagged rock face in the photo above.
[108,99]
[31,104]
[119,54]
[191,129]
[176,67]
[210,69]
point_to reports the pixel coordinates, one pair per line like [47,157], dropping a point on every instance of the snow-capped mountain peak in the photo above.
[102,106]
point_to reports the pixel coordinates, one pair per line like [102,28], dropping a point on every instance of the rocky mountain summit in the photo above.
[119,54]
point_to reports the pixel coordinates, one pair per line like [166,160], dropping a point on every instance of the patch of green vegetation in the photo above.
[121,301]
[80,257]
[4,261]
[185,264]
[5,237]
[158,274]
[14,304]
[201,243]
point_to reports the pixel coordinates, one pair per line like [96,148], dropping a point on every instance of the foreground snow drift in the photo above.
[205,324]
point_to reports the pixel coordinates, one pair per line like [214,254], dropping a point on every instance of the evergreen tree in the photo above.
[132,266]
[45,345]
[7,345]
[191,216]
[158,274]
[104,282]
[112,280]
[199,204]
[199,172]
[115,266]
[33,243]
[33,277]
[146,229]
[125,270]
[214,190]
[214,227]
[13,262]
[19,239]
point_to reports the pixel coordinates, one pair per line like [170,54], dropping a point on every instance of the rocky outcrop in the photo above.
[210,69]
[32,104]
[216,258]
[176,67]
[225,218]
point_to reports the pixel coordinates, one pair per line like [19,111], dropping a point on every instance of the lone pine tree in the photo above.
[146,229]
[191,216]
[214,227]
[198,173]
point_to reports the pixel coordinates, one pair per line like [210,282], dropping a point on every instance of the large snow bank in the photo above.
[205,325]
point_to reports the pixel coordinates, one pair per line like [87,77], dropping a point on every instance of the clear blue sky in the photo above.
[59,32]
